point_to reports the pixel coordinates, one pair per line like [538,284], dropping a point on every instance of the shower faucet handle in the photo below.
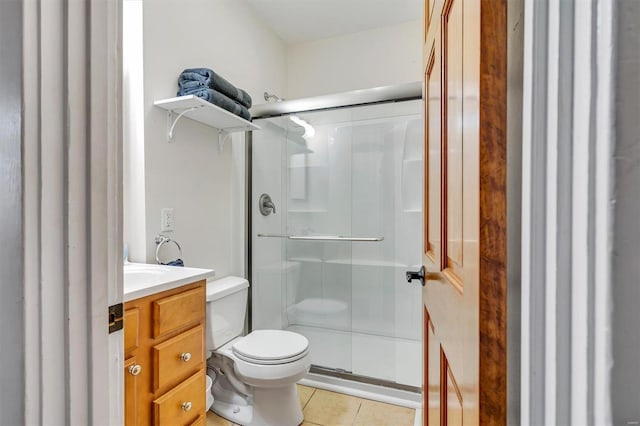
[266,205]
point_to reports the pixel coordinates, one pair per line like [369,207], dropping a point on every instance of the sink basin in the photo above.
[139,272]
[143,279]
[135,269]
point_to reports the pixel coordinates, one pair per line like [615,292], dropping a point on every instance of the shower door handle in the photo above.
[422,275]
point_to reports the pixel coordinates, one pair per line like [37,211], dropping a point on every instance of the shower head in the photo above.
[270,97]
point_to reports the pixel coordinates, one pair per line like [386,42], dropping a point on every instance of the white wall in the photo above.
[205,188]
[189,174]
[12,375]
[378,57]
[625,374]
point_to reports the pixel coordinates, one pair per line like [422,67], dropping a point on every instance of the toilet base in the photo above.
[276,406]
[271,407]
[238,414]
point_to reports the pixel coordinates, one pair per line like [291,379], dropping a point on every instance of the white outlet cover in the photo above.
[166,219]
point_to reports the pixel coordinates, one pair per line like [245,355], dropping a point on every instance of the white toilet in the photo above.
[253,376]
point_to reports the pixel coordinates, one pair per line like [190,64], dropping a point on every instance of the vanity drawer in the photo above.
[131,329]
[200,421]
[178,357]
[177,311]
[183,404]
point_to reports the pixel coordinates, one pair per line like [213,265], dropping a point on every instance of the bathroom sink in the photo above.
[131,269]
[142,279]
[140,272]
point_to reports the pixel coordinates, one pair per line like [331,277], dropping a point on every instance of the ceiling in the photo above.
[298,21]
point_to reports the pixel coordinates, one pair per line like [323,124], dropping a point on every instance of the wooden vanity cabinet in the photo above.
[165,363]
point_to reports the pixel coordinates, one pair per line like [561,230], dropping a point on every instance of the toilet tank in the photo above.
[226,310]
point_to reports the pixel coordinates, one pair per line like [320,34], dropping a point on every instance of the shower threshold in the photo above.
[342,381]
[348,375]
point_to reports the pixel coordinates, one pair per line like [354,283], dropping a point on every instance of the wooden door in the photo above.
[465,212]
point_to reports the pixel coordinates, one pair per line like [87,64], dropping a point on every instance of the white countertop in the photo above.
[142,279]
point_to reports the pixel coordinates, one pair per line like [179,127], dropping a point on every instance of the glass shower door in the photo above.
[317,184]
[330,264]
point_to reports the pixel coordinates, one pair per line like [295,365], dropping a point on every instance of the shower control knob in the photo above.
[186,356]
[266,206]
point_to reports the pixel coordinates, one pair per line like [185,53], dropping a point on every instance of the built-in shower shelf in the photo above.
[204,112]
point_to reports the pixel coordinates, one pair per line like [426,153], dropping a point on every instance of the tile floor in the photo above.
[324,408]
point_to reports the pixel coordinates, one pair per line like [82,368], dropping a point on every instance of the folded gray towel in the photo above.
[207,77]
[218,99]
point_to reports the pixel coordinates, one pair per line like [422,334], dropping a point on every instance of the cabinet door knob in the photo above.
[135,369]
[185,356]
[186,406]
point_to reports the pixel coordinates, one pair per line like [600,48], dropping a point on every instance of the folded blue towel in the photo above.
[209,78]
[177,262]
[192,84]
[218,99]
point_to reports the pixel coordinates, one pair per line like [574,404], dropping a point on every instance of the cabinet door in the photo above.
[131,391]
[131,330]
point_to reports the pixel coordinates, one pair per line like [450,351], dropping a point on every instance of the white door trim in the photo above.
[73,210]
[566,211]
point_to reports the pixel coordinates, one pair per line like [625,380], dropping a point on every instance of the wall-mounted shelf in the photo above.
[204,112]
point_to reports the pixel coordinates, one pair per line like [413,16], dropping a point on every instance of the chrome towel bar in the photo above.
[324,238]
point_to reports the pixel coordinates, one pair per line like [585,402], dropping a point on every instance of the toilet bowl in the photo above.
[254,376]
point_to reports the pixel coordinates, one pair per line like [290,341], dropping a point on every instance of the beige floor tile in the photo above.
[305,393]
[215,420]
[373,413]
[331,409]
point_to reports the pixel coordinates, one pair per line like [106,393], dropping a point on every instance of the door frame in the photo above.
[72,201]
[568,135]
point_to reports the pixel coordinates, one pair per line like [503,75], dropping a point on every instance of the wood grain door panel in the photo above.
[432,374]
[464,59]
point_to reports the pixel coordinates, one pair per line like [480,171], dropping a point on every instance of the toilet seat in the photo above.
[271,347]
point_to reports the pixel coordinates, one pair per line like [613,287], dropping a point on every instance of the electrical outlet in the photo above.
[166,219]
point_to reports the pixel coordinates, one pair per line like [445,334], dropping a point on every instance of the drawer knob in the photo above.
[135,369]
[186,406]
[185,356]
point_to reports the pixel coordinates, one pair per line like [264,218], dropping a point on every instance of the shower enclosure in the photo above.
[329,250]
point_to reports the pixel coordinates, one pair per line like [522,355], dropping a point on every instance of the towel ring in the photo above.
[162,240]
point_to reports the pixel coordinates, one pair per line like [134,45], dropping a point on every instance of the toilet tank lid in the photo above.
[225,286]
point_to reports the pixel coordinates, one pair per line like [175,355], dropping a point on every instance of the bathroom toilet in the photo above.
[254,376]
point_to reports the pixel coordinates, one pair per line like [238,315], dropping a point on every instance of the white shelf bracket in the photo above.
[171,123]
[221,137]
